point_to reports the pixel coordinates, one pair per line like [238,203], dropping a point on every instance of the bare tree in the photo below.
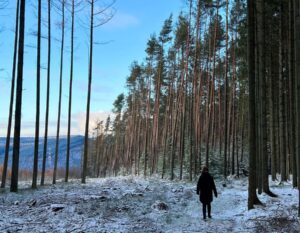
[60,88]
[11,104]
[70,93]
[97,18]
[48,95]
[37,120]
[18,110]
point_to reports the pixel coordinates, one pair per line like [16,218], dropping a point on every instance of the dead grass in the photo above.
[26,175]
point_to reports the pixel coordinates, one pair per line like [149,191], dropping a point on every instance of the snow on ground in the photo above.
[135,204]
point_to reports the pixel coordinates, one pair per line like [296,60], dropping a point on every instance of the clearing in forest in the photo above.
[134,204]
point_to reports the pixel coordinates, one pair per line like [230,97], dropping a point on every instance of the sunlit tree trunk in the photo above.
[154,143]
[168,118]
[146,130]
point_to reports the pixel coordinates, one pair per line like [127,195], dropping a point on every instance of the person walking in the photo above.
[205,188]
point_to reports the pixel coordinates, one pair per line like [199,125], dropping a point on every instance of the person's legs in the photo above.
[209,210]
[204,210]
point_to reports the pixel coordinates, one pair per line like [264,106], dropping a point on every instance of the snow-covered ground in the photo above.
[135,204]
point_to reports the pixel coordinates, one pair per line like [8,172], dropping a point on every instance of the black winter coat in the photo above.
[205,187]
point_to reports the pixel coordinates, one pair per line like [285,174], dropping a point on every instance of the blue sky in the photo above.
[127,34]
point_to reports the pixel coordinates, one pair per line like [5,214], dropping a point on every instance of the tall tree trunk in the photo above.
[233,129]
[263,96]
[175,128]
[292,94]
[60,90]
[182,134]
[139,142]
[297,91]
[252,196]
[243,124]
[155,133]
[226,95]
[234,110]
[184,92]
[168,120]
[258,103]
[272,122]
[48,96]
[37,119]
[174,142]
[11,103]
[209,120]
[18,113]
[221,134]
[193,115]
[274,105]
[146,143]
[282,81]
[70,95]
[86,135]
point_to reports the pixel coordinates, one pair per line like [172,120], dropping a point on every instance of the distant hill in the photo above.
[27,150]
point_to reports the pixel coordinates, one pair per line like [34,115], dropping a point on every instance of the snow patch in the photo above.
[136,204]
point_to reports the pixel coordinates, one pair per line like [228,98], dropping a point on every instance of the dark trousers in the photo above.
[208,209]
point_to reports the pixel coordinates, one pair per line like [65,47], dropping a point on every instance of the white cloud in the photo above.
[77,125]
[79,121]
[122,20]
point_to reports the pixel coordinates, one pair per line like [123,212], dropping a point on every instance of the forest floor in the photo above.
[134,204]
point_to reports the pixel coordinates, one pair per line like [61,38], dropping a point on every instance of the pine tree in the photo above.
[70,93]
[37,120]
[93,14]
[11,103]
[297,86]
[60,89]
[252,110]
[48,96]
[18,113]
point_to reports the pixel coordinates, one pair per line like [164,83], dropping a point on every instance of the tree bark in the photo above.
[252,197]
[60,91]
[48,96]
[292,93]
[70,94]
[297,91]
[226,96]
[282,81]
[11,103]
[18,110]
[37,119]
[87,120]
